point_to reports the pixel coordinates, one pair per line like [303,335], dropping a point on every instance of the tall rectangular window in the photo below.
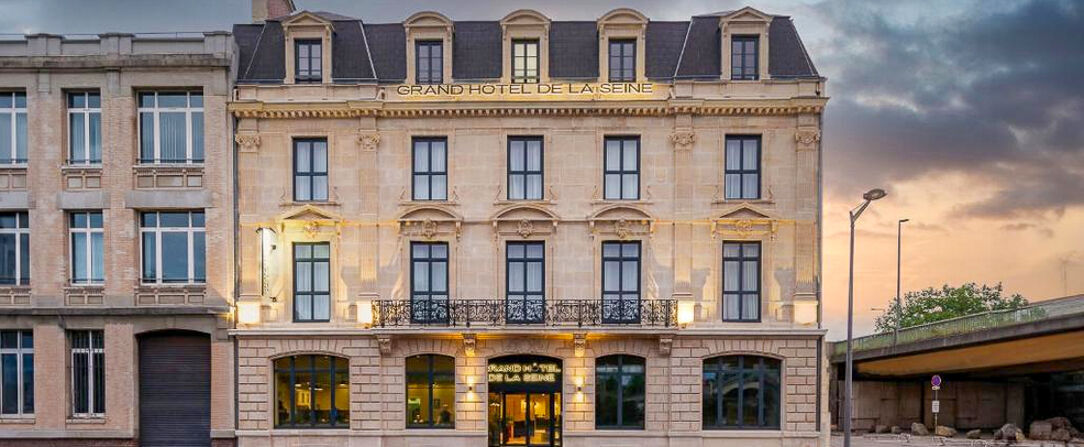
[87,247]
[429,61]
[742,167]
[525,274]
[525,168]
[12,128]
[17,372]
[312,281]
[84,128]
[310,170]
[429,282]
[308,61]
[622,170]
[741,281]
[14,248]
[623,60]
[525,64]
[171,127]
[744,59]
[620,282]
[430,167]
[173,247]
[88,372]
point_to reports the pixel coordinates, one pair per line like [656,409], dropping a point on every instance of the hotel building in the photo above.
[528,232]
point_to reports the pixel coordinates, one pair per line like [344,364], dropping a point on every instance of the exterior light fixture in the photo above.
[248,312]
[805,312]
[686,313]
[365,313]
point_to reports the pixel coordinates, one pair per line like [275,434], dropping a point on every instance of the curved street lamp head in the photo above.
[874,194]
[904,220]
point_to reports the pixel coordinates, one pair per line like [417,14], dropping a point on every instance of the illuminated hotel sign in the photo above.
[528,92]
[516,372]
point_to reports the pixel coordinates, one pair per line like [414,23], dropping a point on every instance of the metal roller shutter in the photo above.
[174,390]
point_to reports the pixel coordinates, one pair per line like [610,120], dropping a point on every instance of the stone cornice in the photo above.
[419,109]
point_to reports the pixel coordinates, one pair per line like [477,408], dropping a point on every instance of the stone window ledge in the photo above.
[84,294]
[743,201]
[168,176]
[12,177]
[17,419]
[11,295]
[93,420]
[170,294]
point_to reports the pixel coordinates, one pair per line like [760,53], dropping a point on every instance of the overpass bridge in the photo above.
[1001,366]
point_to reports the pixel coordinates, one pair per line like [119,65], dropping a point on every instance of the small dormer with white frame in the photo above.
[525,25]
[745,22]
[306,26]
[621,24]
[428,26]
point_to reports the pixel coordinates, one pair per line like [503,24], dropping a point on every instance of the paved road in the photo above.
[932,441]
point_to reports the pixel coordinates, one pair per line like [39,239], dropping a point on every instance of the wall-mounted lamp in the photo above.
[248,312]
[805,312]
[686,313]
[365,313]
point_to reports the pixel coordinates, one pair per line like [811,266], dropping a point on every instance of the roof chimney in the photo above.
[270,9]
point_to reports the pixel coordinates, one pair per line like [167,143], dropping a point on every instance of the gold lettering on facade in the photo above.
[566,91]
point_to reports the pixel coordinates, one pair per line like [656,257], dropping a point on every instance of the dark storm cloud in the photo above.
[994,94]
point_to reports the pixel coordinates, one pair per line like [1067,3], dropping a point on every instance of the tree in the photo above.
[930,305]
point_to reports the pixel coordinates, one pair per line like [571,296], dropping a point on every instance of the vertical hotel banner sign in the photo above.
[615,91]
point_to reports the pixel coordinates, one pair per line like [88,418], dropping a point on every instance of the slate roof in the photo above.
[365,52]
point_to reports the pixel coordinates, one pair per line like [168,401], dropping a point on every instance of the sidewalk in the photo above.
[885,440]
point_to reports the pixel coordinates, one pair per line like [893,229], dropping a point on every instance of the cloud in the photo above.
[1029,227]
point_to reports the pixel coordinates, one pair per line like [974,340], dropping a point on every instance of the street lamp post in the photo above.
[869,196]
[899,300]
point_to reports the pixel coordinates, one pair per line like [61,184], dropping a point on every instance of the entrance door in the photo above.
[174,389]
[525,419]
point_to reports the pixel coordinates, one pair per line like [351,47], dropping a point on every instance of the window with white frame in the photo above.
[12,128]
[88,372]
[87,247]
[16,373]
[15,248]
[171,127]
[84,128]
[173,247]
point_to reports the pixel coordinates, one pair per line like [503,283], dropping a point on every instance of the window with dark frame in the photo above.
[525,61]
[622,60]
[173,247]
[13,128]
[17,379]
[15,248]
[430,169]
[310,170]
[312,281]
[620,392]
[525,270]
[312,391]
[429,282]
[741,392]
[742,170]
[621,282]
[622,168]
[84,128]
[741,281]
[87,372]
[87,247]
[308,61]
[430,391]
[744,60]
[429,61]
[525,168]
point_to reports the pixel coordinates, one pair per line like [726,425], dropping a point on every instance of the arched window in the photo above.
[312,391]
[620,392]
[741,391]
[430,391]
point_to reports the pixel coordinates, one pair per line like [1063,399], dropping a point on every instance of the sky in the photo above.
[970,113]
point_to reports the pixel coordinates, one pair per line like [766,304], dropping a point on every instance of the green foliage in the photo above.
[930,305]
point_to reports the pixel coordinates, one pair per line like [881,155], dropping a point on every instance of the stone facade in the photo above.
[116,66]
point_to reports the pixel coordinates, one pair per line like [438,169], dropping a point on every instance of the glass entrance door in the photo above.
[524,419]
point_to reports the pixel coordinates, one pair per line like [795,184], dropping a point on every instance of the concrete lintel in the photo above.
[82,200]
[159,199]
[14,200]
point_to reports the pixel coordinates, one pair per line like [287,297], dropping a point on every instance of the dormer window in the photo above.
[308,63]
[744,57]
[623,60]
[525,62]
[429,61]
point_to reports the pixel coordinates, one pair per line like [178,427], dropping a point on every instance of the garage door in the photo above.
[174,389]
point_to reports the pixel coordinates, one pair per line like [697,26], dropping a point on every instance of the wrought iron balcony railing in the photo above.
[500,312]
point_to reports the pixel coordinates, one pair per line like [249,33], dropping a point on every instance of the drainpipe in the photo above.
[236,278]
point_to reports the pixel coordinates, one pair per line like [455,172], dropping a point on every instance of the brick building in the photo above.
[116,234]
[528,232]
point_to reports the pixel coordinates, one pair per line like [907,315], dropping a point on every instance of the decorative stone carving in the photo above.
[249,142]
[525,228]
[665,344]
[429,228]
[369,141]
[311,228]
[579,344]
[807,138]
[683,139]
[384,342]
[622,228]
[470,342]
